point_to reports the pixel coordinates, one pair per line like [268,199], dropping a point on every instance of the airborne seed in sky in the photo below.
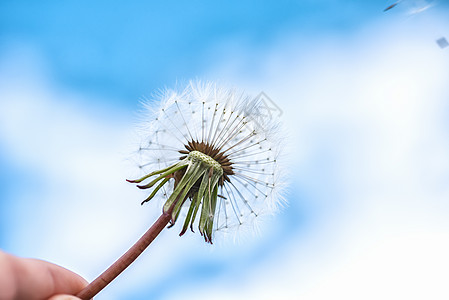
[442,42]
[391,6]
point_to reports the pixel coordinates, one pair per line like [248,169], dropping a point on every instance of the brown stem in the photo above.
[126,259]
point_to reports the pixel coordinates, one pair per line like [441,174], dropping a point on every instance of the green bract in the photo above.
[196,177]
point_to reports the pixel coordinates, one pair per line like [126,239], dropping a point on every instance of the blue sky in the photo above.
[127,49]
[364,95]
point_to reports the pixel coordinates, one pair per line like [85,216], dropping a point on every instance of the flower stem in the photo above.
[126,259]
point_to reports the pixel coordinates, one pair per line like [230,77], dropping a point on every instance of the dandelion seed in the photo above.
[224,149]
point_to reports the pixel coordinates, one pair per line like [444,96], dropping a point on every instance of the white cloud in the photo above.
[368,117]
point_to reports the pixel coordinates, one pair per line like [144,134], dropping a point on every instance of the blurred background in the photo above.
[365,97]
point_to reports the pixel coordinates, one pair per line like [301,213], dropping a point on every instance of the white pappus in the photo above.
[210,152]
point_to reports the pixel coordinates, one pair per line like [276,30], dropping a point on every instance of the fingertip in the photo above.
[64,297]
[59,280]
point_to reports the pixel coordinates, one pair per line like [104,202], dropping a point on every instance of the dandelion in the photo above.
[214,153]
[211,155]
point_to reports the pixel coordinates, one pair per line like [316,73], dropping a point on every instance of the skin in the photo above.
[33,279]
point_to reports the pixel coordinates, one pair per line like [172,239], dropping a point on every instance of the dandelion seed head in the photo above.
[230,150]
